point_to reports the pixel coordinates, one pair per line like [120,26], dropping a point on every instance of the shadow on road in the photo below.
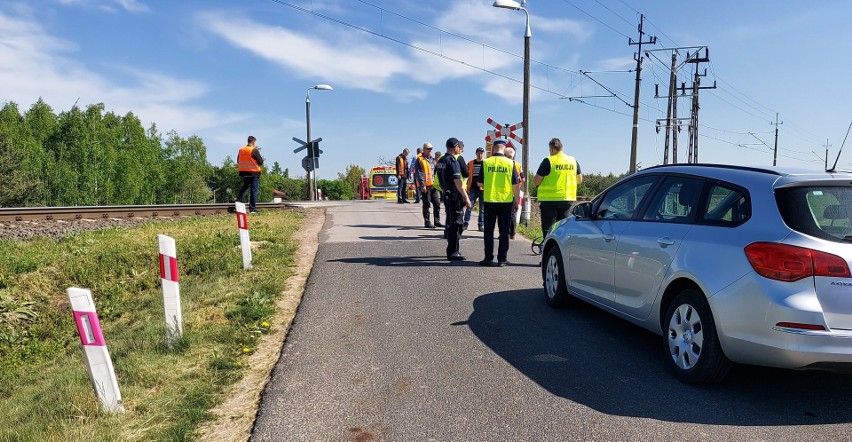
[403,261]
[593,358]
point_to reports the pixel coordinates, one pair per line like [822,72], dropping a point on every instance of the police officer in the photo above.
[455,198]
[557,179]
[501,194]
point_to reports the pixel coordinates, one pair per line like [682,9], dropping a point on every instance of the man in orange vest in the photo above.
[248,165]
[424,179]
[402,177]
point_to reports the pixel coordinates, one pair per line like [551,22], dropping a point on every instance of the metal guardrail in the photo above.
[9,214]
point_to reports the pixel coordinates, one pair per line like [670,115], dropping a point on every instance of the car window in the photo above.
[726,205]
[621,201]
[824,212]
[676,201]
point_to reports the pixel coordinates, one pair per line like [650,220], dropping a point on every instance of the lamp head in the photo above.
[322,87]
[507,4]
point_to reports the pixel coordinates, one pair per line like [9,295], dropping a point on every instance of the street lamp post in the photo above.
[525,159]
[312,183]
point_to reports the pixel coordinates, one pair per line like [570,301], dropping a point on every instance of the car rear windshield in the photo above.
[823,212]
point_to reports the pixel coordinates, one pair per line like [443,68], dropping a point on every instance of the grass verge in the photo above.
[532,231]
[45,392]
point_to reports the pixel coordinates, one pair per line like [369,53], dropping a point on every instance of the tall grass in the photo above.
[45,392]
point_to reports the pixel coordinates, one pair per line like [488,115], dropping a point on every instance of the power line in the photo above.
[482,69]
[630,23]
[597,19]
[420,48]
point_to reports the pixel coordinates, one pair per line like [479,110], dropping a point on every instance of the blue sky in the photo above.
[405,72]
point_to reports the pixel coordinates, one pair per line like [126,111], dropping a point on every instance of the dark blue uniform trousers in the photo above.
[501,214]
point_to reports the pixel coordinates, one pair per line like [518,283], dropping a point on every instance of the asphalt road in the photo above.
[392,342]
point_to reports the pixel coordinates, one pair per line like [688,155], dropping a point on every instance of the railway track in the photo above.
[13,214]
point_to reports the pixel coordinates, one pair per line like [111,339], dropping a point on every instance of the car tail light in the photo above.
[800,326]
[790,263]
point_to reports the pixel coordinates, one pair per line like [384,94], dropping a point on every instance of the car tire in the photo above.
[690,341]
[555,285]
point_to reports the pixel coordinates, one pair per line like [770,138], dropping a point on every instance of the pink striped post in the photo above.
[245,243]
[171,288]
[95,352]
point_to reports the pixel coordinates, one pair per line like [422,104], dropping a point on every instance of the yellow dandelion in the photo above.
[246,350]
[264,324]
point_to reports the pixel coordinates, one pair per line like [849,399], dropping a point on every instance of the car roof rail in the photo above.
[720,166]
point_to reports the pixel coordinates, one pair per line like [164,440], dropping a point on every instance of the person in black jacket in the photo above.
[455,197]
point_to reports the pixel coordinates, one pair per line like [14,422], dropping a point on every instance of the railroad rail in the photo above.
[10,214]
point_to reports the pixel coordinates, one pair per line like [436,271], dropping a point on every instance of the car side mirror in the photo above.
[582,210]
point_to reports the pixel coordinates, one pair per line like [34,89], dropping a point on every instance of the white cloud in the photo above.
[616,64]
[35,64]
[357,60]
[346,60]
[133,5]
[108,5]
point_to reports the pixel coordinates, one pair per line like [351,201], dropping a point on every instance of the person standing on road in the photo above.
[513,225]
[424,180]
[557,179]
[474,190]
[411,174]
[402,177]
[455,197]
[501,194]
[248,167]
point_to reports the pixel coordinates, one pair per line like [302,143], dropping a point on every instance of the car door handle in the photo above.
[665,241]
[608,238]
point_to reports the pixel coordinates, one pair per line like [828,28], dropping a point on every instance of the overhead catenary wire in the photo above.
[446,57]
[439,54]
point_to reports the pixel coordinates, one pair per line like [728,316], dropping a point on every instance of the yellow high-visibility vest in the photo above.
[561,183]
[497,173]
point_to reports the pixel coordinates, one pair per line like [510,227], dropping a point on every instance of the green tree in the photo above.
[352,176]
[22,148]
[335,189]
[17,185]
[43,126]
[187,169]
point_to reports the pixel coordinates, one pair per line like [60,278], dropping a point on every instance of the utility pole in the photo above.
[826,153]
[692,156]
[638,57]
[775,153]
[676,127]
[672,98]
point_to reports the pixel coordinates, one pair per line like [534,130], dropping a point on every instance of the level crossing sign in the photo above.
[504,131]
[311,160]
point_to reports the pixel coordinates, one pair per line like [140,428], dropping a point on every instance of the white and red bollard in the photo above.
[95,352]
[245,243]
[319,194]
[171,288]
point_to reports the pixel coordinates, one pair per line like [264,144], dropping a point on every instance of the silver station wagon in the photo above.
[728,264]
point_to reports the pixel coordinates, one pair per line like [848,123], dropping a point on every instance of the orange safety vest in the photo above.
[245,162]
[518,168]
[426,169]
[471,175]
